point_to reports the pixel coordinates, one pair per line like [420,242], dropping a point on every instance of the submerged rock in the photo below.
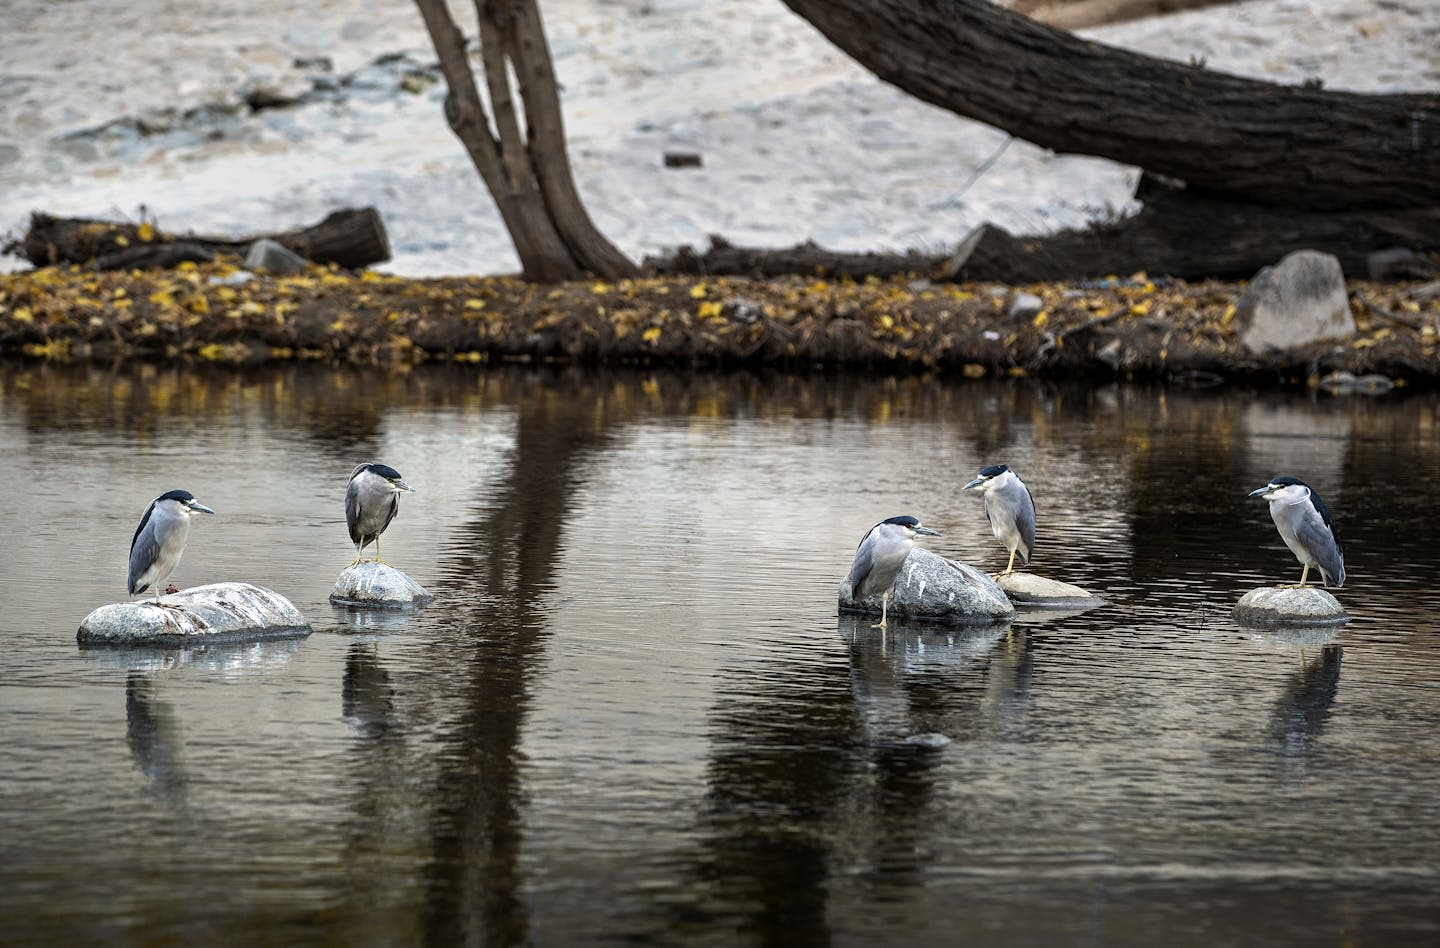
[378,586]
[219,612]
[930,588]
[1275,605]
[1037,592]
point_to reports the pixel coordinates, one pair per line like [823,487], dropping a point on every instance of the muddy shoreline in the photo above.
[1128,327]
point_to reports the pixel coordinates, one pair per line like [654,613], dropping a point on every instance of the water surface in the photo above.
[633,715]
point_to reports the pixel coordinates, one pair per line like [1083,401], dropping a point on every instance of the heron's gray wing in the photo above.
[1025,523]
[1319,540]
[144,550]
[390,513]
[863,563]
[352,507]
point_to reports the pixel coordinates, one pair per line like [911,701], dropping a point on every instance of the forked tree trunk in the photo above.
[1296,146]
[528,173]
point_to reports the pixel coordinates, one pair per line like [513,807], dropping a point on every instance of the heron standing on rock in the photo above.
[1010,510]
[1305,525]
[160,539]
[879,555]
[371,501]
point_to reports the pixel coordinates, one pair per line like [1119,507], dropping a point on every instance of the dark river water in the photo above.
[633,715]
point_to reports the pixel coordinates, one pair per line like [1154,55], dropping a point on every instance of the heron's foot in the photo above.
[1001,575]
[356,561]
[879,625]
[1295,586]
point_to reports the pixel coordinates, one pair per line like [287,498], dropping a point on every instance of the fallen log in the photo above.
[352,238]
[726,259]
[1176,233]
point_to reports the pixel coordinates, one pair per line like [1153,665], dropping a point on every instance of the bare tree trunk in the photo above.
[1297,146]
[527,173]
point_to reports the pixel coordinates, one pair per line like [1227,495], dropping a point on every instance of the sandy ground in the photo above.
[798,142]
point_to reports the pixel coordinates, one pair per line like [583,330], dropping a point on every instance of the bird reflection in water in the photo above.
[367,697]
[1303,708]
[154,736]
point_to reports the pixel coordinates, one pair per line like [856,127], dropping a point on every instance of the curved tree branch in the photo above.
[1288,145]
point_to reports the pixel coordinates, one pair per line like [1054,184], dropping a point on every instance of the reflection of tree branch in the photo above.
[475,876]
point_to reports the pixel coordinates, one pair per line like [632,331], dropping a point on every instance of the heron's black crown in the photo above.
[1285,480]
[994,470]
[385,471]
[184,496]
[905,520]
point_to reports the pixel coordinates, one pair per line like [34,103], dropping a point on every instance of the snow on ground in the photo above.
[798,141]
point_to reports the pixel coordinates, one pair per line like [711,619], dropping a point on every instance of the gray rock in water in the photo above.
[930,588]
[219,612]
[1347,383]
[1037,592]
[377,586]
[1277,605]
[1300,300]
[266,254]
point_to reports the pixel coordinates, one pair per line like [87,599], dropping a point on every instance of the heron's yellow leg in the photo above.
[1304,574]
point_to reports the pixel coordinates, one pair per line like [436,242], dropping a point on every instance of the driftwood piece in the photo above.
[724,258]
[352,238]
[1176,234]
[1195,236]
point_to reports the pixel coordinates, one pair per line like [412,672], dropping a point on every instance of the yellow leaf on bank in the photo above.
[887,322]
[145,232]
[600,288]
[651,334]
[1140,309]
[710,310]
[1041,318]
[122,241]
[474,304]
[22,315]
[697,291]
[973,371]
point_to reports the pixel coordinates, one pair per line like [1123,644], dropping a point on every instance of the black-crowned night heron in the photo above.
[878,558]
[160,539]
[371,502]
[1305,525]
[1010,510]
